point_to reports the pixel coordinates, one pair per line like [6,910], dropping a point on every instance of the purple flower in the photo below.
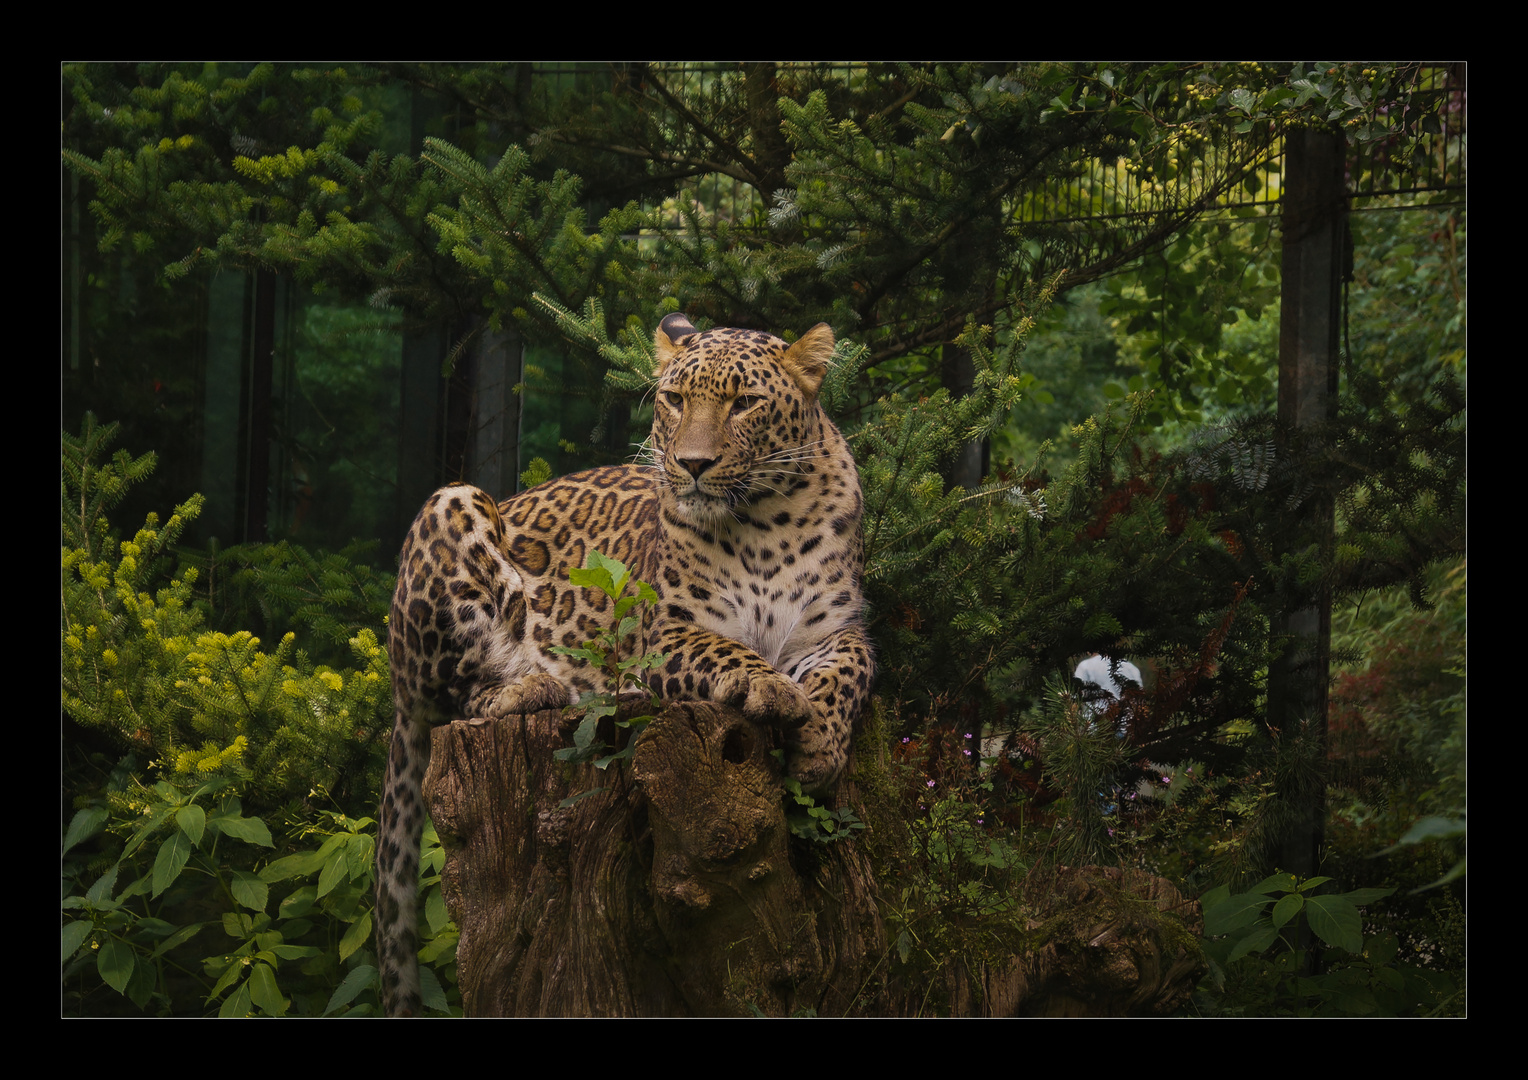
[906,740]
[930,783]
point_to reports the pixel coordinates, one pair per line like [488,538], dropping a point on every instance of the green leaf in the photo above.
[141,987]
[1233,913]
[249,890]
[1287,908]
[1335,921]
[73,935]
[1280,882]
[180,937]
[431,994]
[237,1006]
[1361,897]
[295,952]
[264,992]
[1255,940]
[114,961]
[595,578]
[582,795]
[298,903]
[360,979]
[99,894]
[85,824]
[192,820]
[250,830]
[1428,828]
[170,861]
[336,871]
[356,936]
[290,866]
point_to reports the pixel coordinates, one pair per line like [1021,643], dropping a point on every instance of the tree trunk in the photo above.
[677,890]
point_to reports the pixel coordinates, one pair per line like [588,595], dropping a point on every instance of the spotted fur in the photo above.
[748,528]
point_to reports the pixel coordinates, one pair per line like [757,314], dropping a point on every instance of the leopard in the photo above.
[747,522]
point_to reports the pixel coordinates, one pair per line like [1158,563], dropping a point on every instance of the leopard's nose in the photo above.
[696,466]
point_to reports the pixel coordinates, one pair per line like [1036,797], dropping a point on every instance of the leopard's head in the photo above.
[736,419]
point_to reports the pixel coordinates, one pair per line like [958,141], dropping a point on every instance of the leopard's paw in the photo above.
[816,754]
[768,695]
[530,694]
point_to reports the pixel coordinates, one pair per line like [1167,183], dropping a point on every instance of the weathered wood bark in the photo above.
[676,891]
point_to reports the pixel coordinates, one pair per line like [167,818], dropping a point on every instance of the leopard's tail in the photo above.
[402,822]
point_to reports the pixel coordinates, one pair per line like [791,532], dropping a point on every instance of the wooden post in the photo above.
[1315,244]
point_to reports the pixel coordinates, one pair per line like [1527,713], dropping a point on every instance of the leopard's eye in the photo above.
[743,402]
[673,400]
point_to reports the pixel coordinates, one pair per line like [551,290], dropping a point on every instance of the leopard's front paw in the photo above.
[816,754]
[768,695]
[530,694]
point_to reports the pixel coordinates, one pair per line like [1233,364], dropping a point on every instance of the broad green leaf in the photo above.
[1275,883]
[114,960]
[249,891]
[99,893]
[170,861]
[1313,883]
[290,866]
[180,937]
[1428,828]
[250,830]
[431,994]
[1287,908]
[231,974]
[360,857]
[1233,913]
[295,952]
[1255,941]
[356,983]
[435,913]
[355,936]
[264,992]
[73,935]
[141,987]
[1335,921]
[237,1006]
[84,825]
[598,578]
[1217,895]
[149,826]
[192,820]
[299,903]
[1360,897]
[334,872]
[1458,870]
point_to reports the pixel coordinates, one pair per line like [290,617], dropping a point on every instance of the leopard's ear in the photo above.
[670,337]
[807,360]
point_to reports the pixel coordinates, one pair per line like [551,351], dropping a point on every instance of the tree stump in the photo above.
[677,890]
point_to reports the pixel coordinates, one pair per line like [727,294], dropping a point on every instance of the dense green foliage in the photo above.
[149,864]
[1135,504]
